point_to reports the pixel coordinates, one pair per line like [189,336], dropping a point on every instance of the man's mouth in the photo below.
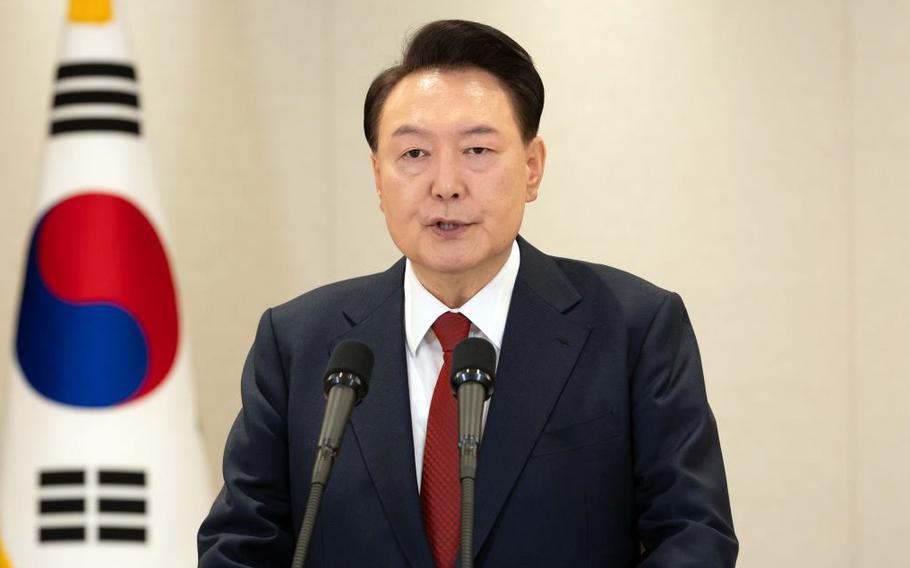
[449,227]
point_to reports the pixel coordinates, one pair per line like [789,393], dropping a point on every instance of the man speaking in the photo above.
[599,447]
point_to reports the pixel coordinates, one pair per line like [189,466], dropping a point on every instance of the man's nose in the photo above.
[448,183]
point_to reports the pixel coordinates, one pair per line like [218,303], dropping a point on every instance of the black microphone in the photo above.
[347,378]
[473,370]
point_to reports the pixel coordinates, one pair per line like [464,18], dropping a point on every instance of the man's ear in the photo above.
[536,154]
[374,163]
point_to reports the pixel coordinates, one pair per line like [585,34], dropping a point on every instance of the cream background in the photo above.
[748,155]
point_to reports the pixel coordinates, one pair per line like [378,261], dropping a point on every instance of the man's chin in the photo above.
[448,263]
[457,264]
[451,268]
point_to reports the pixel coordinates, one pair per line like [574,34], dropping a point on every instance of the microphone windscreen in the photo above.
[474,353]
[351,357]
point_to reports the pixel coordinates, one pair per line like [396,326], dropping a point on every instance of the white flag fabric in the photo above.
[102,462]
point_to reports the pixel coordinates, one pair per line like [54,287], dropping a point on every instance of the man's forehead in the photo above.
[441,87]
[426,80]
[472,99]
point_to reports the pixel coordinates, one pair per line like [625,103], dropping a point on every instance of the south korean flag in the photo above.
[102,461]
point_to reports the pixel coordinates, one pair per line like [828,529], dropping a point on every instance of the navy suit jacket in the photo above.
[599,447]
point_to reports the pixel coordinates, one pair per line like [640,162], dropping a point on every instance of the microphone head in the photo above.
[350,358]
[474,354]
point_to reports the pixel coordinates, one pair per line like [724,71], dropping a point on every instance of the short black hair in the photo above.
[456,45]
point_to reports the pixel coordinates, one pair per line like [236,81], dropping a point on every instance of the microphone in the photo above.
[347,378]
[473,370]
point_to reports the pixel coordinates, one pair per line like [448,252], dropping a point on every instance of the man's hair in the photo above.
[450,45]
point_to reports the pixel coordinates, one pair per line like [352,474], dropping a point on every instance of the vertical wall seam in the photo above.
[328,81]
[850,353]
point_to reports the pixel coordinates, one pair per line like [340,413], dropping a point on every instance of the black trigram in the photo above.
[72,484]
[114,507]
[111,506]
[95,97]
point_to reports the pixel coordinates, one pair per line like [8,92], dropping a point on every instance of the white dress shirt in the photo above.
[487,310]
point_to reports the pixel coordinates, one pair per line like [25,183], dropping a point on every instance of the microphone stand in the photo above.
[346,382]
[475,361]
[338,412]
[470,417]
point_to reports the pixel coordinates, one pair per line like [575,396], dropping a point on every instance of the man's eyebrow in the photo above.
[480,129]
[406,129]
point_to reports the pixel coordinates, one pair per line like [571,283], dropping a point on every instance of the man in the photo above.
[599,448]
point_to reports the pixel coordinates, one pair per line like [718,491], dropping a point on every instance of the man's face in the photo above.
[453,173]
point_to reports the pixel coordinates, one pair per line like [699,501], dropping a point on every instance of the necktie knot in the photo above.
[450,328]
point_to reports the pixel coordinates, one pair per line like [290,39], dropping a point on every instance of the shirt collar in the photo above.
[487,309]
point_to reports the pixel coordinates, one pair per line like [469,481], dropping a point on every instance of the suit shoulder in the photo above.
[329,294]
[617,300]
[322,306]
[606,289]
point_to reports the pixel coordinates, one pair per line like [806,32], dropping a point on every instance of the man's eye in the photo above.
[477,150]
[415,153]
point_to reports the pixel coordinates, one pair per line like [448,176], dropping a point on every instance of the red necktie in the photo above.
[440,489]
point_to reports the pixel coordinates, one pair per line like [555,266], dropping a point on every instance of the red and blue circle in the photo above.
[98,325]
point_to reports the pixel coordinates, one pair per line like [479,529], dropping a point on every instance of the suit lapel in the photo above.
[382,424]
[539,350]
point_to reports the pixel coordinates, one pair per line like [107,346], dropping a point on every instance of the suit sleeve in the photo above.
[684,515]
[250,522]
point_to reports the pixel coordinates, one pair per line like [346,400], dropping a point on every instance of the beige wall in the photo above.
[749,155]
[881,280]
